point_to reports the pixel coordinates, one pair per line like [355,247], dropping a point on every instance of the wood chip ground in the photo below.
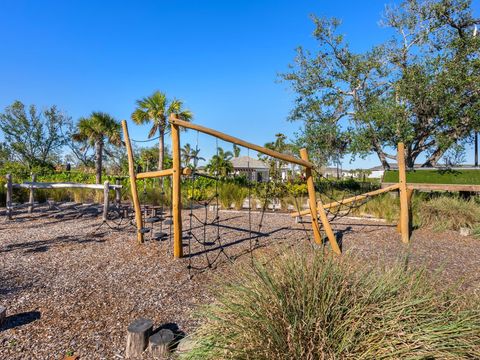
[71,287]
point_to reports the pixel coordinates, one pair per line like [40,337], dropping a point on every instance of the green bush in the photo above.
[311,307]
[230,193]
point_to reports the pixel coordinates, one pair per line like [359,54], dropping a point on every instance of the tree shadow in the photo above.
[20,319]
[44,245]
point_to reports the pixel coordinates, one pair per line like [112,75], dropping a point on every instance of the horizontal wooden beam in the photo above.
[45,185]
[440,187]
[161,173]
[349,200]
[234,140]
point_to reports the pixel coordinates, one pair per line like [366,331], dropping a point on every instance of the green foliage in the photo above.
[230,193]
[313,307]
[296,190]
[33,137]
[221,163]
[467,177]
[155,109]
[421,87]
[96,130]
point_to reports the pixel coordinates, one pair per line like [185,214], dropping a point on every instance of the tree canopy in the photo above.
[421,87]
[33,137]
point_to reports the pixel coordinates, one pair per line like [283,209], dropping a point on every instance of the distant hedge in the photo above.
[467,177]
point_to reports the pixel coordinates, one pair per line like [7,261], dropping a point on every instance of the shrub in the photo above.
[231,193]
[311,307]
[452,213]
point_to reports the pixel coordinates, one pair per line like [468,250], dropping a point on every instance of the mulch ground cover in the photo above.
[72,286]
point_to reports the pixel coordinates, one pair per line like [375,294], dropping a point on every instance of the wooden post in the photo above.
[409,198]
[31,197]
[402,179]
[9,196]
[176,192]
[118,193]
[321,211]
[106,191]
[160,343]
[133,183]
[138,333]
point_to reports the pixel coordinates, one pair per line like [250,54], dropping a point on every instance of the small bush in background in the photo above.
[311,307]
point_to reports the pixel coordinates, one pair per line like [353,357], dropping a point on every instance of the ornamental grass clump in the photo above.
[450,213]
[311,307]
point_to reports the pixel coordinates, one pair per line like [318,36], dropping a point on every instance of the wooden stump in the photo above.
[138,333]
[159,343]
[3,314]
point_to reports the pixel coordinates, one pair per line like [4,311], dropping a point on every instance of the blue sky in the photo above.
[221,57]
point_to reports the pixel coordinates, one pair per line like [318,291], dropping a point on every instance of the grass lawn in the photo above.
[467,177]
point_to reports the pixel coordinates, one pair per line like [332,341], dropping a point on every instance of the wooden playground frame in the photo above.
[34,185]
[316,207]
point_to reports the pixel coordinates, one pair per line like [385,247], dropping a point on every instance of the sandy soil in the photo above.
[70,285]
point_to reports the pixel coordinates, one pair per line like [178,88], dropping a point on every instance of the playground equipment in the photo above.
[33,185]
[317,210]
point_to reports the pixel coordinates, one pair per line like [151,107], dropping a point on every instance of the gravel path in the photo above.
[71,286]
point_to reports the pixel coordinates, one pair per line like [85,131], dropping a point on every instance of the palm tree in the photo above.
[196,158]
[220,163]
[236,150]
[155,109]
[186,154]
[96,129]
[189,154]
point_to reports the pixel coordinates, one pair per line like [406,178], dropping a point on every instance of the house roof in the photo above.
[245,162]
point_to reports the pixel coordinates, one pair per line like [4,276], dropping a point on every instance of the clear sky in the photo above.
[221,57]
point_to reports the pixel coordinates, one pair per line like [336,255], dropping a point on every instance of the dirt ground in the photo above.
[70,285]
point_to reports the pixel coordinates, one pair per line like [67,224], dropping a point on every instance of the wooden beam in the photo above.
[234,140]
[49,185]
[176,192]
[161,173]
[313,210]
[349,200]
[404,210]
[133,183]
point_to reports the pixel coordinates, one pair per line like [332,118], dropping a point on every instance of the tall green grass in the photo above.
[449,213]
[311,307]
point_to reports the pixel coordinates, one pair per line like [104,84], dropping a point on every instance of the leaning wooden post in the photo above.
[106,191]
[9,196]
[321,211]
[176,192]
[118,192]
[402,179]
[133,183]
[31,197]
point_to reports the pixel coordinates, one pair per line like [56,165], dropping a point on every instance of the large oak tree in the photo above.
[421,87]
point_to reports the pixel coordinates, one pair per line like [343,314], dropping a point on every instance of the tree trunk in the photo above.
[161,148]
[476,148]
[383,159]
[98,161]
[433,159]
